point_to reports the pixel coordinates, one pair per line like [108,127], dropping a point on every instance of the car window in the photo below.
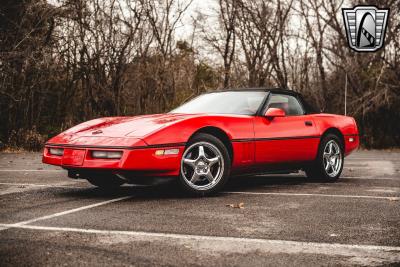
[228,102]
[288,103]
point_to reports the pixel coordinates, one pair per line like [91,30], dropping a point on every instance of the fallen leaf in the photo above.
[236,206]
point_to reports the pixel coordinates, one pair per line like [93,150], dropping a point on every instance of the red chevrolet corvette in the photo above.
[207,140]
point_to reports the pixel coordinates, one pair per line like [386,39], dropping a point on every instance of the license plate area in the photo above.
[73,157]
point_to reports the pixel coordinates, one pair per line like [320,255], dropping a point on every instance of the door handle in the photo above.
[308,123]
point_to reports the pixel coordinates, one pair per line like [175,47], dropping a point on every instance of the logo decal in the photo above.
[365,27]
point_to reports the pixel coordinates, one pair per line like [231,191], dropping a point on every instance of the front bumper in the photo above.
[141,160]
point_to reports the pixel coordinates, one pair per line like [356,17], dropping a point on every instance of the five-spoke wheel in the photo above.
[329,162]
[332,158]
[205,165]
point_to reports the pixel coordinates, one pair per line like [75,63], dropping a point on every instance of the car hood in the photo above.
[117,128]
[137,126]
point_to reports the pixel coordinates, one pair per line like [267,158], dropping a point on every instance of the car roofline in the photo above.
[263,89]
[275,90]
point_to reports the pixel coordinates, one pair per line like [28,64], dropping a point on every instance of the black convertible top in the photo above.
[308,108]
[265,89]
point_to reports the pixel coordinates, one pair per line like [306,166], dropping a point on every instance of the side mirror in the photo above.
[274,112]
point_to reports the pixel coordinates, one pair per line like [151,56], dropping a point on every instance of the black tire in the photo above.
[317,171]
[221,168]
[106,181]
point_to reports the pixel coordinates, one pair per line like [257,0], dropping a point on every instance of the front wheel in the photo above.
[329,162]
[205,165]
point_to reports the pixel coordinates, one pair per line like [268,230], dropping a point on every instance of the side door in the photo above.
[292,138]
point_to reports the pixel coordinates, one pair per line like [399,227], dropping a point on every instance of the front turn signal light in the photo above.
[173,151]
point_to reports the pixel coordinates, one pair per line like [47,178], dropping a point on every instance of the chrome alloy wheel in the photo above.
[332,158]
[202,166]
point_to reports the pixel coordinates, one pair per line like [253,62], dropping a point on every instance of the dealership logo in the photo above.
[365,27]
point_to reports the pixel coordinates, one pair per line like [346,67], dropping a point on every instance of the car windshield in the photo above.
[231,102]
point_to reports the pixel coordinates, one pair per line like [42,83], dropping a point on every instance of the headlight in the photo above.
[56,151]
[107,154]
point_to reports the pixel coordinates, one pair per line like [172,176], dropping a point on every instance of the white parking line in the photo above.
[223,244]
[361,159]
[309,195]
[26,188]
[16,170]
[369,178]
[67,212]
[365,168]
[346,177]
[42,185]
[67,185]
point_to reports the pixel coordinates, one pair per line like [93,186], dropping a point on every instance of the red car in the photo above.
[207,140]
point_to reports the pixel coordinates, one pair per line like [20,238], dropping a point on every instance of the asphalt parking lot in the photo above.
[49,219]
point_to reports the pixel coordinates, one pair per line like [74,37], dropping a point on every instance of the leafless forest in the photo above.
[64,62]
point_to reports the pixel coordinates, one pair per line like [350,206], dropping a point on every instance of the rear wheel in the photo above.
[106,181]
[205,165]
[329,162]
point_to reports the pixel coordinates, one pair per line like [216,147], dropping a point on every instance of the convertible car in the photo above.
[207,140]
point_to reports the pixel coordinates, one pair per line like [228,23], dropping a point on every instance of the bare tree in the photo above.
[75,60]
[224,41]
[311,10]
[262,31]
[164,17]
